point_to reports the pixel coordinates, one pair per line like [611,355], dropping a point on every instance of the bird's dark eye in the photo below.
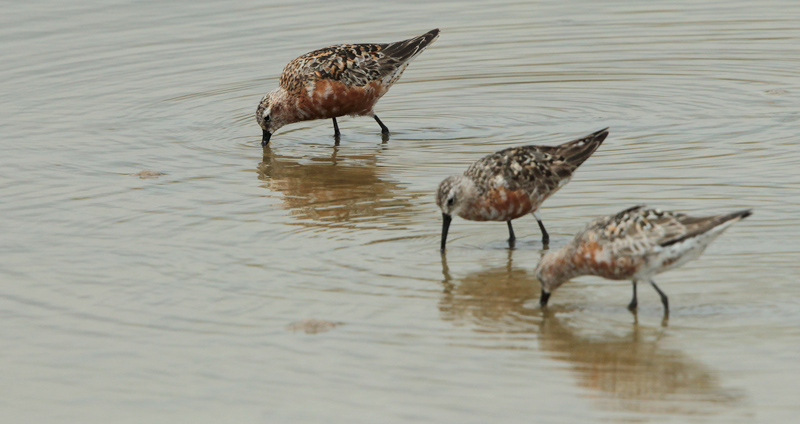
[266,118]
[450,201]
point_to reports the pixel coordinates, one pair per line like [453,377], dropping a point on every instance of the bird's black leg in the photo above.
[664,299]
[511,237]
[545,236]
[384,128]
[336,132]
[634,303]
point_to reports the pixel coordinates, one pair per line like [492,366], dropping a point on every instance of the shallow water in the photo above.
[186,294]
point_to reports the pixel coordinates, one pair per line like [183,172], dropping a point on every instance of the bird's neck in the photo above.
[558,267]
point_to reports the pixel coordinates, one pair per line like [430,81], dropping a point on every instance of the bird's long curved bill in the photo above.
[545,297]
[265,138]
[445,226]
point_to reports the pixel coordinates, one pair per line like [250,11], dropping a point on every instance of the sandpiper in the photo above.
[346,79]
[634,244]
[512,183]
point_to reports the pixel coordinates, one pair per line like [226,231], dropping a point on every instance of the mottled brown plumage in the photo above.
[513,182]
[635,244]
[340,80]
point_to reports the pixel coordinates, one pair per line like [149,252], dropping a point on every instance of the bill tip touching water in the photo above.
[345,79]
[512,183]
[634,244]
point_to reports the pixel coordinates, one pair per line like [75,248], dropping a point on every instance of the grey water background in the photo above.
[176,296]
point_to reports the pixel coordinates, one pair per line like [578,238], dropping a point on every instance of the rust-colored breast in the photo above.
[329,99]
[514,203]
[592,259]
[499,204]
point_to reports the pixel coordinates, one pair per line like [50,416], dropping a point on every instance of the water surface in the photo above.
[175,295]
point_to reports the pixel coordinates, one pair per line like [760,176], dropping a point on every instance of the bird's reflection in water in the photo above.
[625,363]
[333,189]
[494,298]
